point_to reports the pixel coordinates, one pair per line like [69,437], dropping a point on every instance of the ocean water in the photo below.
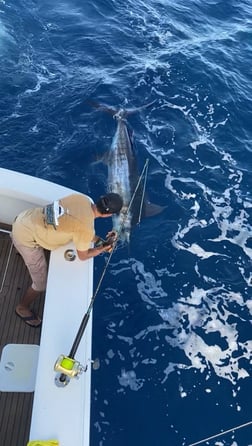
[172,321]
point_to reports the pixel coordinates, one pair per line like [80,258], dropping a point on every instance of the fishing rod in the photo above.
[66,366]
[205,440]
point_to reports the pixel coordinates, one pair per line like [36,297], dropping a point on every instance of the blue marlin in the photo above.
[123,174]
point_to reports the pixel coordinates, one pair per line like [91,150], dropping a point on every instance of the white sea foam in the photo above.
[199,320]
[206,309]
[129,379]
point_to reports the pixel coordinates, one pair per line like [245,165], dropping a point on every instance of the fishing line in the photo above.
[84,322]
[144,187]
[120,228]
[144,171]
[221,433]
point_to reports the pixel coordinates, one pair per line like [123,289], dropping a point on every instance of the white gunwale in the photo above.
[58,413]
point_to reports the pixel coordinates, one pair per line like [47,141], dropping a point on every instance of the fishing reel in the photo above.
[69,368]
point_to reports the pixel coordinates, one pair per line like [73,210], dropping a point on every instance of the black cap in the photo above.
[110,204]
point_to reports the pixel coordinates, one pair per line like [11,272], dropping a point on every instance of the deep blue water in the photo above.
[172,323]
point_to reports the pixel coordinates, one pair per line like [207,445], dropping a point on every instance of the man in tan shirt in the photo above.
[69,219]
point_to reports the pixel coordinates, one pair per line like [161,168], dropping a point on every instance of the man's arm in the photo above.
[104,246]
[93,252]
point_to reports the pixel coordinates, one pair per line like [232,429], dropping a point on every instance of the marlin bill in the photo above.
[123,174]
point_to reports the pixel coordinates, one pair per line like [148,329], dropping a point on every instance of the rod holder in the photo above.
[70,255]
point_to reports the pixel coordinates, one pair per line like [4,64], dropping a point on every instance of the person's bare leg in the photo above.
[23,308]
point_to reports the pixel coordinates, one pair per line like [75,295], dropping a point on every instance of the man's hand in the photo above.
[111,238]
[107,244]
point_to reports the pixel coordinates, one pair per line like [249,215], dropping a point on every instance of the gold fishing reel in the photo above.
[67,369]
[68,366]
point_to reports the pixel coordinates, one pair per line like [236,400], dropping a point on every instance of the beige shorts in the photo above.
[36,263]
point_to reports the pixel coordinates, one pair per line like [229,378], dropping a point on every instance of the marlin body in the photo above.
[123,175]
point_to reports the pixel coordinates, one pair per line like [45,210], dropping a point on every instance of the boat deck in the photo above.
[15,408]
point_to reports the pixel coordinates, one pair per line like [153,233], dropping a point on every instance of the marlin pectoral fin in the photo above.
[152,209]
[130,111]
[102,107]
[113,111]
[101,159]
